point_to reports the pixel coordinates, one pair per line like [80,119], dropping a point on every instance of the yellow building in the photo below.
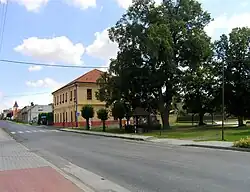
[69,100]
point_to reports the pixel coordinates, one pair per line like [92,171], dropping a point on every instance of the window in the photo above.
[74,94]
[66,117]
[60,99]
[60,117]
[63,116]
[71,116]
[57,100]
[66,97]
[57,118]
[89,94]
[40,109]
[63,98]
[70,95]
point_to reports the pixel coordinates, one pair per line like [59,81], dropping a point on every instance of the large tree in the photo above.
[155,42]
[233,52]
[201,91]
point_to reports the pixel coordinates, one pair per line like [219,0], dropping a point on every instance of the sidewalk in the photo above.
[121,136]
[179,142]
[23,171]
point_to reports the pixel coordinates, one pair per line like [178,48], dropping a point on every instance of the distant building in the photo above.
[30,113]
[5,112]
[15,110]
[69,100]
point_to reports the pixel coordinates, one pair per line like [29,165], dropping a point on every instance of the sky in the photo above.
[74,32]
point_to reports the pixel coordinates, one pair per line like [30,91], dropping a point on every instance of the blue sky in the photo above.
[73,32]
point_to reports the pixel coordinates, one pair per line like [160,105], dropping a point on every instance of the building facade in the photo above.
[30,113]
[69,100]
[5,112]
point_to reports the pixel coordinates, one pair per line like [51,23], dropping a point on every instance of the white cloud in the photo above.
[43,97]
[35,5]
[82,4]
[30,5]
[126,3]
[26,99]
[34,68]
[57,49]
[102,47]
[44,83]
[244,3]
[227,23]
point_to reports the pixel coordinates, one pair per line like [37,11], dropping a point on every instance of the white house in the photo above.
[30,113]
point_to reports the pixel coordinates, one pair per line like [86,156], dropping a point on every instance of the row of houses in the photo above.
[27,114]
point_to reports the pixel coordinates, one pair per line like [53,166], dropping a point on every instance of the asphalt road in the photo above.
[140,166]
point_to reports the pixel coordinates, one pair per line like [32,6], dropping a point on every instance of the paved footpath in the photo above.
[24,171]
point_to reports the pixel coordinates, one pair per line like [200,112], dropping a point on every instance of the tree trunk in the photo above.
[128,118]
[164,110]
[201,119]
[103,126]
[240,121]
[87,124]
[165,118]
[120,123]
[212,116]
[193,119]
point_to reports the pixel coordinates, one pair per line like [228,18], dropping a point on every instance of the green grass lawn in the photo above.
[205,133]
[189,131]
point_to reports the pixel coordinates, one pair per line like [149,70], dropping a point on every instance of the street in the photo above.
[140,166]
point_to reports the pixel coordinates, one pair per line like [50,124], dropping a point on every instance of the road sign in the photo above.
[77,114]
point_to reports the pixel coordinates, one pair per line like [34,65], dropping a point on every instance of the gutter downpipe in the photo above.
[76,103]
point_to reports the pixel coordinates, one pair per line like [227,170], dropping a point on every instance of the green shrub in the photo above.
[242,143]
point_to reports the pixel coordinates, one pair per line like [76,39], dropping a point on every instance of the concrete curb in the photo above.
[150,138]
[147,138]
[218,147]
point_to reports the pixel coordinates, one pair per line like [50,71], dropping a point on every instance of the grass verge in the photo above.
[204,133]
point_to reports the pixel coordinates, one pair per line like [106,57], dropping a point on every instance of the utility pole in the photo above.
[223,101]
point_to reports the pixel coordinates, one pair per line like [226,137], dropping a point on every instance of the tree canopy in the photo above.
[165,55]
[233,52]
[87,112]
[102,114]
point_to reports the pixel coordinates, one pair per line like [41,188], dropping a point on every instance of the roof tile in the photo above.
[89,77]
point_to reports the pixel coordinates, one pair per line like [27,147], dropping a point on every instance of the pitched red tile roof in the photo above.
[89,77]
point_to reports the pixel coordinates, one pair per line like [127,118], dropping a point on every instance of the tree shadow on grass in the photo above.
[242,133]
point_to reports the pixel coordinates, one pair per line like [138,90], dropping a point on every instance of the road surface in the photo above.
[140,166]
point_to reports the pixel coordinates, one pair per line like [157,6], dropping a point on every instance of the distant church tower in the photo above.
[15,109]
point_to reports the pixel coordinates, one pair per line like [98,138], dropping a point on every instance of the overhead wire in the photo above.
[24,95]
[49,65]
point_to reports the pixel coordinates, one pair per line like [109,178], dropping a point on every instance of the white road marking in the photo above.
[34,131]
[54,130]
